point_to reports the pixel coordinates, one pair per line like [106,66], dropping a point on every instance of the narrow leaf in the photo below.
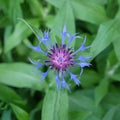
[20,33]
[107,33]
[55,105]
[19,112]
[89,11]
[20,75]
[110,114]
[101,91]
[8,95]
[116,45]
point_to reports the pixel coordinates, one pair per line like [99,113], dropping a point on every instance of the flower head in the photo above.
[61,57]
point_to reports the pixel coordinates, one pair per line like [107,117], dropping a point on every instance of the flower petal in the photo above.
[63,34]
[74,78]
[72,37]
[37,63]
[45,38]
[82,58]
[83,47]
[58,81]
[44,75]
[84,64]
[37,49]
[64,84]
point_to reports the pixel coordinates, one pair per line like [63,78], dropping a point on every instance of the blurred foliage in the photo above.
[23,97]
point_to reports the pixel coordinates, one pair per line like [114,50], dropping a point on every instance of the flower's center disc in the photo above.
[61,59]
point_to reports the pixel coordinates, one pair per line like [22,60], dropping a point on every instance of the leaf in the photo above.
[20,33]
[36,31]
[36,8]
[65,16]
[116,45]
[55,105]
[19,112]
[101,90]
[89,78]
[115,77]
[56,3]
[112,8]
[110,101]
[20,75]
[9,95]
[110,114]
[102,2]
[107,33]
[14,10]
[4,21]
[79,115]
[81,101]
[6,115]
[89,11]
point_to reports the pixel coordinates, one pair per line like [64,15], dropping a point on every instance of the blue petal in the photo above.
[45,37]
[72,37]
[44,75]
[37,49]
[83,47]
[37,63]
[82,58]
[81,71]
[84,64]
[63,34]
[58,81]
[75,79]
[64,84]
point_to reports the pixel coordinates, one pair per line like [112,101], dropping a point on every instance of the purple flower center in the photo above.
[60,57]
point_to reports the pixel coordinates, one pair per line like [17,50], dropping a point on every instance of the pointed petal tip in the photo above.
[58,82]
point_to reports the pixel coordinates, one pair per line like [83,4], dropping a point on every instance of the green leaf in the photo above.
[55,105]
[101,90]
[107,33]
[112,8]
[4,21]
[92,117]
[110,114]
[6,115]
[14,10]
[115,77]
[102,2]
[20,32]
[89,11]
[65,16]
[84,100]
[9,95]
[79,101]
[36,8]
[36,31]
[19,112]
[116,45]
[56,3]
[20,75]
[79,115]
[89,78]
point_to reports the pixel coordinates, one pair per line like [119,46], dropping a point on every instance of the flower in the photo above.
[61,57]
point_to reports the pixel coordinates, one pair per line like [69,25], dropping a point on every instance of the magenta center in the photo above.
[60,57]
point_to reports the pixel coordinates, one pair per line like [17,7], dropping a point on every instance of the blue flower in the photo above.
[60,57]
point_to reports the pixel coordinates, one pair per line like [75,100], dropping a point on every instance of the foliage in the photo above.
[23,96]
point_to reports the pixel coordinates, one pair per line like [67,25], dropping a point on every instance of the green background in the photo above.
[23,97]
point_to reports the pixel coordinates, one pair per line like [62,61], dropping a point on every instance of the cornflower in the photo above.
[61,58]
